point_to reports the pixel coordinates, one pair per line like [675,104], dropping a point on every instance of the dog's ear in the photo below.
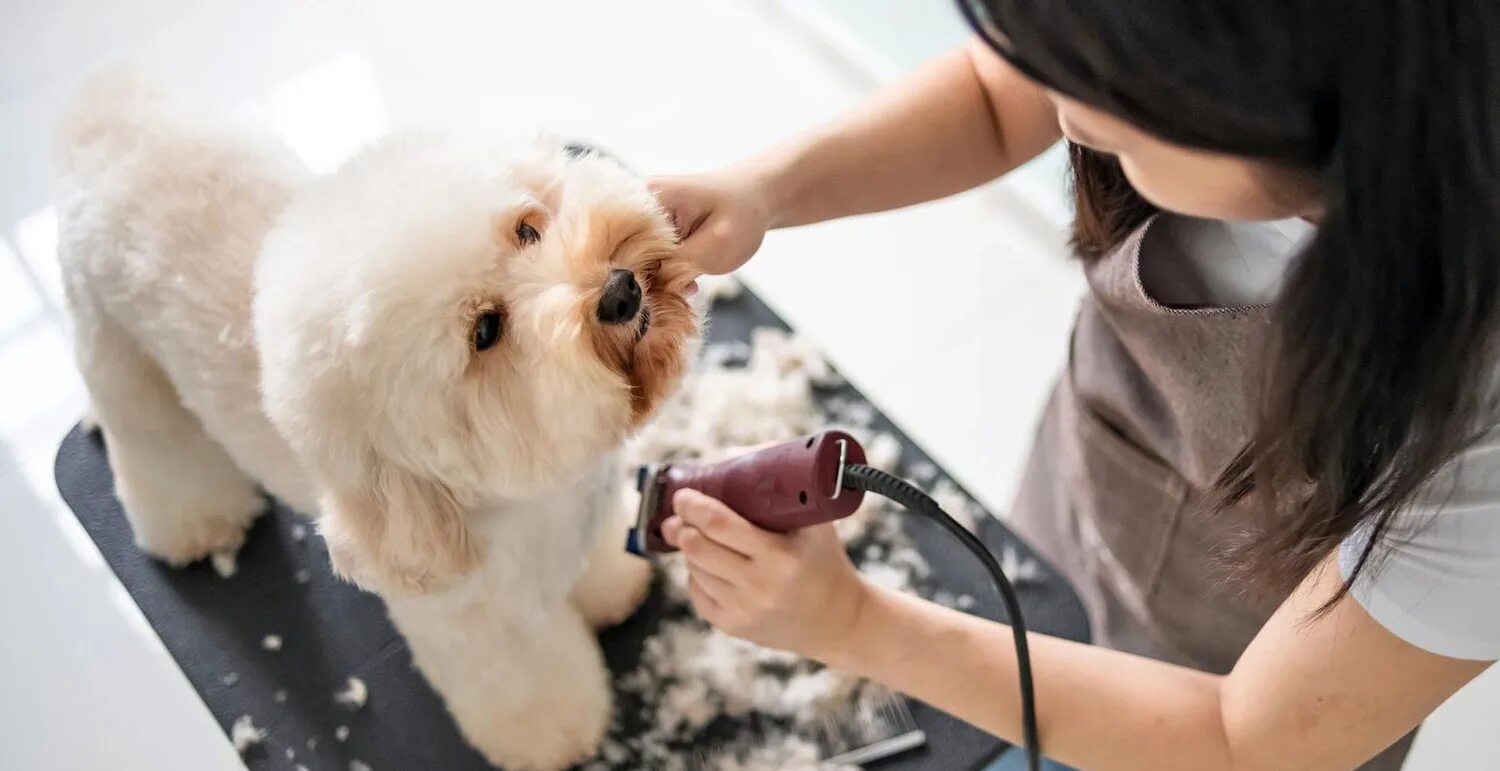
[399,534]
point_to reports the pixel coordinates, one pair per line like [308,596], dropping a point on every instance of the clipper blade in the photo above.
[647,483]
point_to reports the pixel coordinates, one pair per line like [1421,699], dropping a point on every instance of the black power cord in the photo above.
[873,480]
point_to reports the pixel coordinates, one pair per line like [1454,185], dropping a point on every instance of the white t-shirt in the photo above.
[1438,584]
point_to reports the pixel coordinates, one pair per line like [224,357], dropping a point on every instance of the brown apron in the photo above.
[1153,403]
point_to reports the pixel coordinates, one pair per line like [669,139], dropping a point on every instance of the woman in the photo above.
[1287,214]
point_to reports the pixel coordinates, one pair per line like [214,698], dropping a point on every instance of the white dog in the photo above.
[437,350]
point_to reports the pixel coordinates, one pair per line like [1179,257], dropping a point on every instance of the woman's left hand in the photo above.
[795,591]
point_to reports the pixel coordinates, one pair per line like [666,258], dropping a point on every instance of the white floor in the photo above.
[951,316]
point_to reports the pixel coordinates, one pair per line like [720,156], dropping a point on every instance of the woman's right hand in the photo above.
[721,217]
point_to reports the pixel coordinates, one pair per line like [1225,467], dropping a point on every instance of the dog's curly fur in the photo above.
[244,326]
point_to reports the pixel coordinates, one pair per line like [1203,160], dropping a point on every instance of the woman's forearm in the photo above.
[1097,709]
[958,122]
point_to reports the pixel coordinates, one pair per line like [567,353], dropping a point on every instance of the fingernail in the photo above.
[670,528]
[687,495]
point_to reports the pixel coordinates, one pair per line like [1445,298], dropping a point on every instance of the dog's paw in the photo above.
[196,537]
[556,731]
[181,515]
[550,737]
[89,420]
[537,705]
[562,748]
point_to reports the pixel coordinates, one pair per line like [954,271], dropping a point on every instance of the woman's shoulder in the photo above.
[1435,579]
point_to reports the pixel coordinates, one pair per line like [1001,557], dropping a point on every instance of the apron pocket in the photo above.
[1127,505]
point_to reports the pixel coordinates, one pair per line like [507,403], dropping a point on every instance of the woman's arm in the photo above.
[959,121]
[962,120]
[1326,693]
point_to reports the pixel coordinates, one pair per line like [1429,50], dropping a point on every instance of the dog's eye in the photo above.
[487,330]
[527,234]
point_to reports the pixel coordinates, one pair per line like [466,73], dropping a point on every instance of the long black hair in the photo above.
[1381,349]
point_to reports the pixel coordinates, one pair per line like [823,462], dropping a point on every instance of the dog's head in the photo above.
[442,325]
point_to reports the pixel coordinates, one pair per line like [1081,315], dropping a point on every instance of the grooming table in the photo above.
[330,630]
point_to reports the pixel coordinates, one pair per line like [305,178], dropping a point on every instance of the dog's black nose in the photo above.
[622,298]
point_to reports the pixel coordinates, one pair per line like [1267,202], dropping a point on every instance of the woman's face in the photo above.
[1186,180]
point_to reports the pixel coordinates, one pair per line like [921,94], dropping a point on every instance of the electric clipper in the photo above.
[782,488]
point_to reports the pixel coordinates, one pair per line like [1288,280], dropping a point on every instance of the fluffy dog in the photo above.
[437,350]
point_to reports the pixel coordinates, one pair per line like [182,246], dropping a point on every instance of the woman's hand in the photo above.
[721,217]
[796,592]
